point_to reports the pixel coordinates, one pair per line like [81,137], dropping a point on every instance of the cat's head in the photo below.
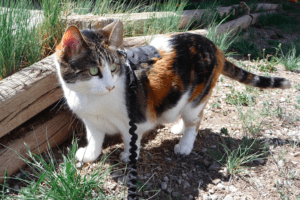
[88,61]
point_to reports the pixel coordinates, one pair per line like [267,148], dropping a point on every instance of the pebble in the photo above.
[280,163]
[224,172]
[214,197]
[164,185]
[175,194]
[216,181]
[211,191]
[166,179]
[228,197]
[201,182]
[178,180]
[168,159]
[169,190]
[270,132]
[191,197]
[16,187]
[233,189]
[206,162]
[260,161]
[205,197]
[221,186]
[214,167]
[186,185]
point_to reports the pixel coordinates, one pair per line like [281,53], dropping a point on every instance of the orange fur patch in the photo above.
[161,80]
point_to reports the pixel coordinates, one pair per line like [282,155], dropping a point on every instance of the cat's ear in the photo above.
[72,42]
[114,33]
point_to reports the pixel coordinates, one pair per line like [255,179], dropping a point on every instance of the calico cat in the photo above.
[178,83]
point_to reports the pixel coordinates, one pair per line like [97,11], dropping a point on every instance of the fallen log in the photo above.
[52,133]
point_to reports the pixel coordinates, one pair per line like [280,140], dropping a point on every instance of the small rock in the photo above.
[224,172]
[201,182]
[191,197]
[79,164]
[205,197]
[186,185]
[233,189]
[260,161]
[213,146]
[280,163]
[282,99]
[214,197]
[204,150]
[278,183]
[215,166]
[216,181]
[178,180]
[184,175]
[206,162]
[164,185]
[168,159]
[16,187]
[211,191]
[117,174]
[221,186]
[169,190]
[175,194]
[113,186]
[270,132]
[228,197]
[166,179]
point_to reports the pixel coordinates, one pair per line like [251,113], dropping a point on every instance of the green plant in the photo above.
[224,40]
[53,180]
[286,23]
[239,98]
[243,46]
[290,60]
[235,159]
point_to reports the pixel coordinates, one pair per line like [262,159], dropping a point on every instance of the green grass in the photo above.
[22,42]
[53,180]
[240,98]
[286,23]
[290,60]
[245,47]
[235,155]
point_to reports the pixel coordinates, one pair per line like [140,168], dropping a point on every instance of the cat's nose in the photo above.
[110,88]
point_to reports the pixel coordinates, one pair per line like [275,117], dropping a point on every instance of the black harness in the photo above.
[133,59]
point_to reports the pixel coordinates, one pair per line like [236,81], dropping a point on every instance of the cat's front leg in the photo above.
[124,156]
[95,139]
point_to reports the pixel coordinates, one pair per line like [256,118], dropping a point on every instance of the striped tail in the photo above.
[245,77]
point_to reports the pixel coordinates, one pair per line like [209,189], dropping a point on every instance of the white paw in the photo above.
[183,150]
[178,127]
[86,155]
[124,156]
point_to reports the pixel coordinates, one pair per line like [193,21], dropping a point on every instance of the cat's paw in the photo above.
[182,150]
[124,156]
[85,155]
[178,127]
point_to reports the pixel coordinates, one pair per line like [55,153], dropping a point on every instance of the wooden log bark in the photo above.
[53,132]
[26,93]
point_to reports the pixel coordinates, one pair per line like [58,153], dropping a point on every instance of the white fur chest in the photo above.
[108,112]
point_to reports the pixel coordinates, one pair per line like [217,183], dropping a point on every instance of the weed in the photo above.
[290,60]
[297,86]
[280,21]
[235,159]
[224,40]
[66,182]
[239,98]
[243,46]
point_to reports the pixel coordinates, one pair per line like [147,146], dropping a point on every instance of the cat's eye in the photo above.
[94,71]
[113,67]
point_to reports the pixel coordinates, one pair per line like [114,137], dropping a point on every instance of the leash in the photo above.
[132,175]
[133,58]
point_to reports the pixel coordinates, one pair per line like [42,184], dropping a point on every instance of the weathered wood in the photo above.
[234,25]
[26,93]
[53,132]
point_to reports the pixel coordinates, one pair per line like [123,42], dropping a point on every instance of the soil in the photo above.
[276,175]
